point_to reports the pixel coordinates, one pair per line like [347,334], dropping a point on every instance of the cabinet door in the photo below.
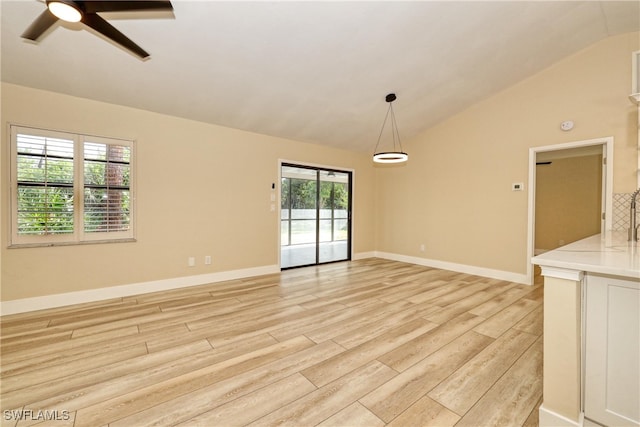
[612,357]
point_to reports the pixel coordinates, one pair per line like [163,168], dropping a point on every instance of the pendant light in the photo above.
[396,155]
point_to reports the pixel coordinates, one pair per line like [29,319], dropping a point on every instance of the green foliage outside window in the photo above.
[45,186]
[45,176]
[303,194]
[299,198]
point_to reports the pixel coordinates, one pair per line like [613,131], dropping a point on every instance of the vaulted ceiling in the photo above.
[314,71]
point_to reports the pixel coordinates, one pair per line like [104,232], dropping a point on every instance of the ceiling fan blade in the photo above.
[40,25]
[103,27]
[122,6]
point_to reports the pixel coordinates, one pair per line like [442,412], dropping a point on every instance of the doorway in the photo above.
[315,215]
[541,157]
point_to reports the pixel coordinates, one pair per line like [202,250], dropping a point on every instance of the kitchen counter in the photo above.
[587,284]
[608,253]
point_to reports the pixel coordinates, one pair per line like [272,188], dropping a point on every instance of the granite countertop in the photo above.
[608,253]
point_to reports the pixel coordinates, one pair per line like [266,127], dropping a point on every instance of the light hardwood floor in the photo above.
[363,343]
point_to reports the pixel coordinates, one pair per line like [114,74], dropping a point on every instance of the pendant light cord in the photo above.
[394,129]
[382,129]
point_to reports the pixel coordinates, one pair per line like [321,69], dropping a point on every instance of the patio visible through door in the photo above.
[315,216]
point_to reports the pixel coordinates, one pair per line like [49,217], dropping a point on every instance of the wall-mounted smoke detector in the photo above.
[566,125]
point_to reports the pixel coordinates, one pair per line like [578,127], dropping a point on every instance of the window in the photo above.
[69,188]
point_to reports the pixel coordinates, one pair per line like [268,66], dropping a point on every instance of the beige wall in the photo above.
[454,195]
[568,200]
[201,190]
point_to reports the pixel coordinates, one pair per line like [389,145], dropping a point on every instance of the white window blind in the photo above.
[45,173]
[107,175]
[70,188]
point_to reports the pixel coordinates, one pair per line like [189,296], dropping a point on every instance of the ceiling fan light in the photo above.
[391,157]
[65,10]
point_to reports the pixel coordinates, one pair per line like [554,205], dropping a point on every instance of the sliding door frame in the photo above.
[278,202]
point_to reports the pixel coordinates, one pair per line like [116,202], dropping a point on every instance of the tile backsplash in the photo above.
[621,204]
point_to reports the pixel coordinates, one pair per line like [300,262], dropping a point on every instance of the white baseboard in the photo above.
[363,255]
[78,297]
[547,418]
[460,268]
[92,295]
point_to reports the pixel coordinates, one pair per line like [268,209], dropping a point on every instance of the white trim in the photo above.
[548,418]
[460,268]
[562,273]
[78,236]
[92,295]
[635,72]
[363,255]
[607,190]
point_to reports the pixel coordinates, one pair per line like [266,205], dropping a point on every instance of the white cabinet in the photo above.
[612,351]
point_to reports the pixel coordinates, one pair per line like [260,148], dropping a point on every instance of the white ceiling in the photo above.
[313,71]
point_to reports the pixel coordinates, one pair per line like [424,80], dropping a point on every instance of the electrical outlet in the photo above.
[422,247]
[207,260]
[517,186]
[191,261]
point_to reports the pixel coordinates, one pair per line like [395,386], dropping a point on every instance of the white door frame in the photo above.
[607,188]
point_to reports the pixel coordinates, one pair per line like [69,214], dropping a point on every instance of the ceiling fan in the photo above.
[87,13]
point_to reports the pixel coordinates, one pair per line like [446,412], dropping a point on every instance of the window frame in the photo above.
[79,236]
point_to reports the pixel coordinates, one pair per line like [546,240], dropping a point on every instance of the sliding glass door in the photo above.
[298,216]
[315,216]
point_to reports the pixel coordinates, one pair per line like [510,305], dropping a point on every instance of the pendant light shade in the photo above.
[396,155]
[390,157]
